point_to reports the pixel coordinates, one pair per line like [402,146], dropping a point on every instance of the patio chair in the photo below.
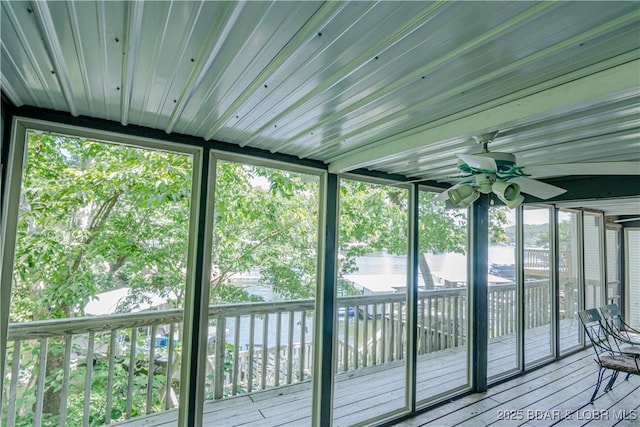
[617,326]
[608,354]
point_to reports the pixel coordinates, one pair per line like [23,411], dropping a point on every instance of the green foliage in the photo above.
[498,218]
[440,229]
[272,229]
[95,217]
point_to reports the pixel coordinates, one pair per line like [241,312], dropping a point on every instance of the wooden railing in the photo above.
[538,259]
[127,365]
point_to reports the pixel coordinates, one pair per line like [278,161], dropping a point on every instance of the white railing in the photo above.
[102,369]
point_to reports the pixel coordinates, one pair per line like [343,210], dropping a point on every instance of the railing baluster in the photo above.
[303,326]
[236,345]
[509,303]
[438,326]
[345,350]
[500,297]
[151,367]
[13,386]
[132,368]
[374,338]
[446,315]
[506,309]
[421,336]
[218,373]
[42,377]
[449,321]
[400,332]
[494,318]
[356,337]
[265,351]
[168,396]
[252,330]
[64,395]
[290,348]
[87,380]
[429,325]
[392,329]
[384,332]
[365,336]
[112,356]
[456,321]
[276,374]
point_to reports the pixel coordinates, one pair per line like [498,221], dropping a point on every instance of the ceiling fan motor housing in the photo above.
[504,161]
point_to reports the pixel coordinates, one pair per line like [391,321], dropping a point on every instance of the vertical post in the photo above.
[412,297]
[478,270]
[622,272]
[554,257]
[520,290]
[582,287]
[326,313]
[13,152]
[194,341]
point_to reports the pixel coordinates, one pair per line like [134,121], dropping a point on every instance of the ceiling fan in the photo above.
[498,173]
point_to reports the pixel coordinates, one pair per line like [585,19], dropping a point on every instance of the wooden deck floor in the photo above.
[556,393]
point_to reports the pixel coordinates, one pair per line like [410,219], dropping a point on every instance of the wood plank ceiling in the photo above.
[397,87]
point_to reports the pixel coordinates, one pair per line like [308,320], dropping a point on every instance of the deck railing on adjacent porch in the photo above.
[126,365]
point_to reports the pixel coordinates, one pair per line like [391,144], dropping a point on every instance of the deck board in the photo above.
[562,388]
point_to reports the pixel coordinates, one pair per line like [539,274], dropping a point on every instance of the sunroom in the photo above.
[309,213]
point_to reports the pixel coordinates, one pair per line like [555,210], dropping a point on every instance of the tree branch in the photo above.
[97,223]
[248,250]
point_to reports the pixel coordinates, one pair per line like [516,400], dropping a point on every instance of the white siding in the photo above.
[593,255]
[633,276]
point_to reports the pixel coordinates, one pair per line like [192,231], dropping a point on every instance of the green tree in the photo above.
[95,217]
[272,228]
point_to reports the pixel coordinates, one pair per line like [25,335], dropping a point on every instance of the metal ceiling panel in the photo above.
[347,83]
[603,133]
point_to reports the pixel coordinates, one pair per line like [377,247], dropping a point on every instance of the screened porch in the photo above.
[315,213]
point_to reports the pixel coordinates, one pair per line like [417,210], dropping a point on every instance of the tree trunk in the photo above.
[51,398]
[425,271]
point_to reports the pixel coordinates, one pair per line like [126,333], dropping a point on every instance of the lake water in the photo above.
[376,266]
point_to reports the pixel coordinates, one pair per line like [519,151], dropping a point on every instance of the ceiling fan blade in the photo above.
[478,162]
[590,168]
[444,196]
[538,189]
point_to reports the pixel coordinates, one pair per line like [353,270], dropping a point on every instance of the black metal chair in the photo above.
[617,326]
[608,353]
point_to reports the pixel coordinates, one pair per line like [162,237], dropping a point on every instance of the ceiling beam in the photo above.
[585,188]
[622,80]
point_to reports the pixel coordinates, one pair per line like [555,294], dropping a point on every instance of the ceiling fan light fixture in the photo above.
[463,196]
[484,183]
[508,192]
